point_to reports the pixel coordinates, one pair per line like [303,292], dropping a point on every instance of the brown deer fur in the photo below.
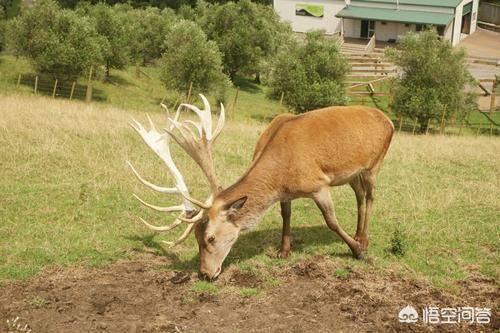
[302,156]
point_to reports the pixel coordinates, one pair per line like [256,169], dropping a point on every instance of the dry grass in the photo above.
[66,196]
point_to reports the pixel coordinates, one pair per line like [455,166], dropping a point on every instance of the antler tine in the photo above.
[178,208]
[176,223]
[198,203]
[220,123]
[183,236]
[167,190]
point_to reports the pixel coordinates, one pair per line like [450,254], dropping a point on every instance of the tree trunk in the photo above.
[257,78]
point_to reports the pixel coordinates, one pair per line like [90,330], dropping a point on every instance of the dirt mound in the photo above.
[312,296]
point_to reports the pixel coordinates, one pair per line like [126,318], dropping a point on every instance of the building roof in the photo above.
[393,15]
[431,3]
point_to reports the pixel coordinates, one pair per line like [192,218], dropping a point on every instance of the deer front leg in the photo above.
[324,202]
[286,212]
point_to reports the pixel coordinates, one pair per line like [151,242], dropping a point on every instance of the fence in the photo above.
[49,85]
[489,13]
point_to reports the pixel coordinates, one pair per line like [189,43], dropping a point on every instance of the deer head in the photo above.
[214,231]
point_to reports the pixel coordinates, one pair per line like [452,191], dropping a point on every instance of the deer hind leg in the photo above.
[324,202]
[358,186]
[369,179]
[286,212]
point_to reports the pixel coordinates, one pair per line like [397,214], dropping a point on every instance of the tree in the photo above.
[110,25]
[190,58]
[57,41]
[433,80]
[147,29]
[310,74]
[245,32]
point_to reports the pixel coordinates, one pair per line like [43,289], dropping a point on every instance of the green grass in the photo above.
[204,287]
[249,292]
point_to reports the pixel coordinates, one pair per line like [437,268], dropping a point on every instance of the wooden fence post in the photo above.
[461,127]
[233,107]
[54,90]
[281,99]
[72,90]
[400,123]
[36,84]
[18,81]
[493,92]
[427,128]
[414,126]
[88,96]
[441,130]
[189,91]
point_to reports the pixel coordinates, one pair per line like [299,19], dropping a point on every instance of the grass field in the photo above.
[66,197]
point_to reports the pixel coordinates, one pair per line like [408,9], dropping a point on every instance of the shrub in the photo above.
[310,74]
[433,80]
[56,41]
[190,57]
[398,242]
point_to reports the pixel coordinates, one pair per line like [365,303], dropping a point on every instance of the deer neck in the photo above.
[261,192]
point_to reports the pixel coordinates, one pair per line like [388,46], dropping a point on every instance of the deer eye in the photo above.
[211,239]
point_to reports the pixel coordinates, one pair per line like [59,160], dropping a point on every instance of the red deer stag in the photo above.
[296,157]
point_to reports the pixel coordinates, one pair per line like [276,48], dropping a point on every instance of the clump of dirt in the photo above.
[140,296]
[245,279]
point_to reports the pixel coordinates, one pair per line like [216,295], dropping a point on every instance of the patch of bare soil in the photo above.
[139,296]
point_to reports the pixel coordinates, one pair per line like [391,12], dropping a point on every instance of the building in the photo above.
[386,19]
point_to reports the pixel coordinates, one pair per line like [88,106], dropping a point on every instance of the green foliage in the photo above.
[9,8]
[147,29]
[398,242]
[245,32]
[310,74]
[56,41]
[433,81]
[110,24]
[190,57]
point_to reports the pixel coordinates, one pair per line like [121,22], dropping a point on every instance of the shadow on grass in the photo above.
[249,245]
[118,80]
[247,85]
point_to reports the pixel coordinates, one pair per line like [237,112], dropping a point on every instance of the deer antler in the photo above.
[198,146]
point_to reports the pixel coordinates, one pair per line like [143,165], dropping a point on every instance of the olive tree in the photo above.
[310,74]
[432,81]
[56,41]
[110,24]
[146,30]
[190,58]
[246,33]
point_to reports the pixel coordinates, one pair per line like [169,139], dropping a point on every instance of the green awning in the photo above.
[467,8]
[394,15]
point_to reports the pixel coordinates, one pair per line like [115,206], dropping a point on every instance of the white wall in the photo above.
[391,30]
[458,20]
[329,23]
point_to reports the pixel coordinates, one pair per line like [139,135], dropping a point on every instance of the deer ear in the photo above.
[236,205]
